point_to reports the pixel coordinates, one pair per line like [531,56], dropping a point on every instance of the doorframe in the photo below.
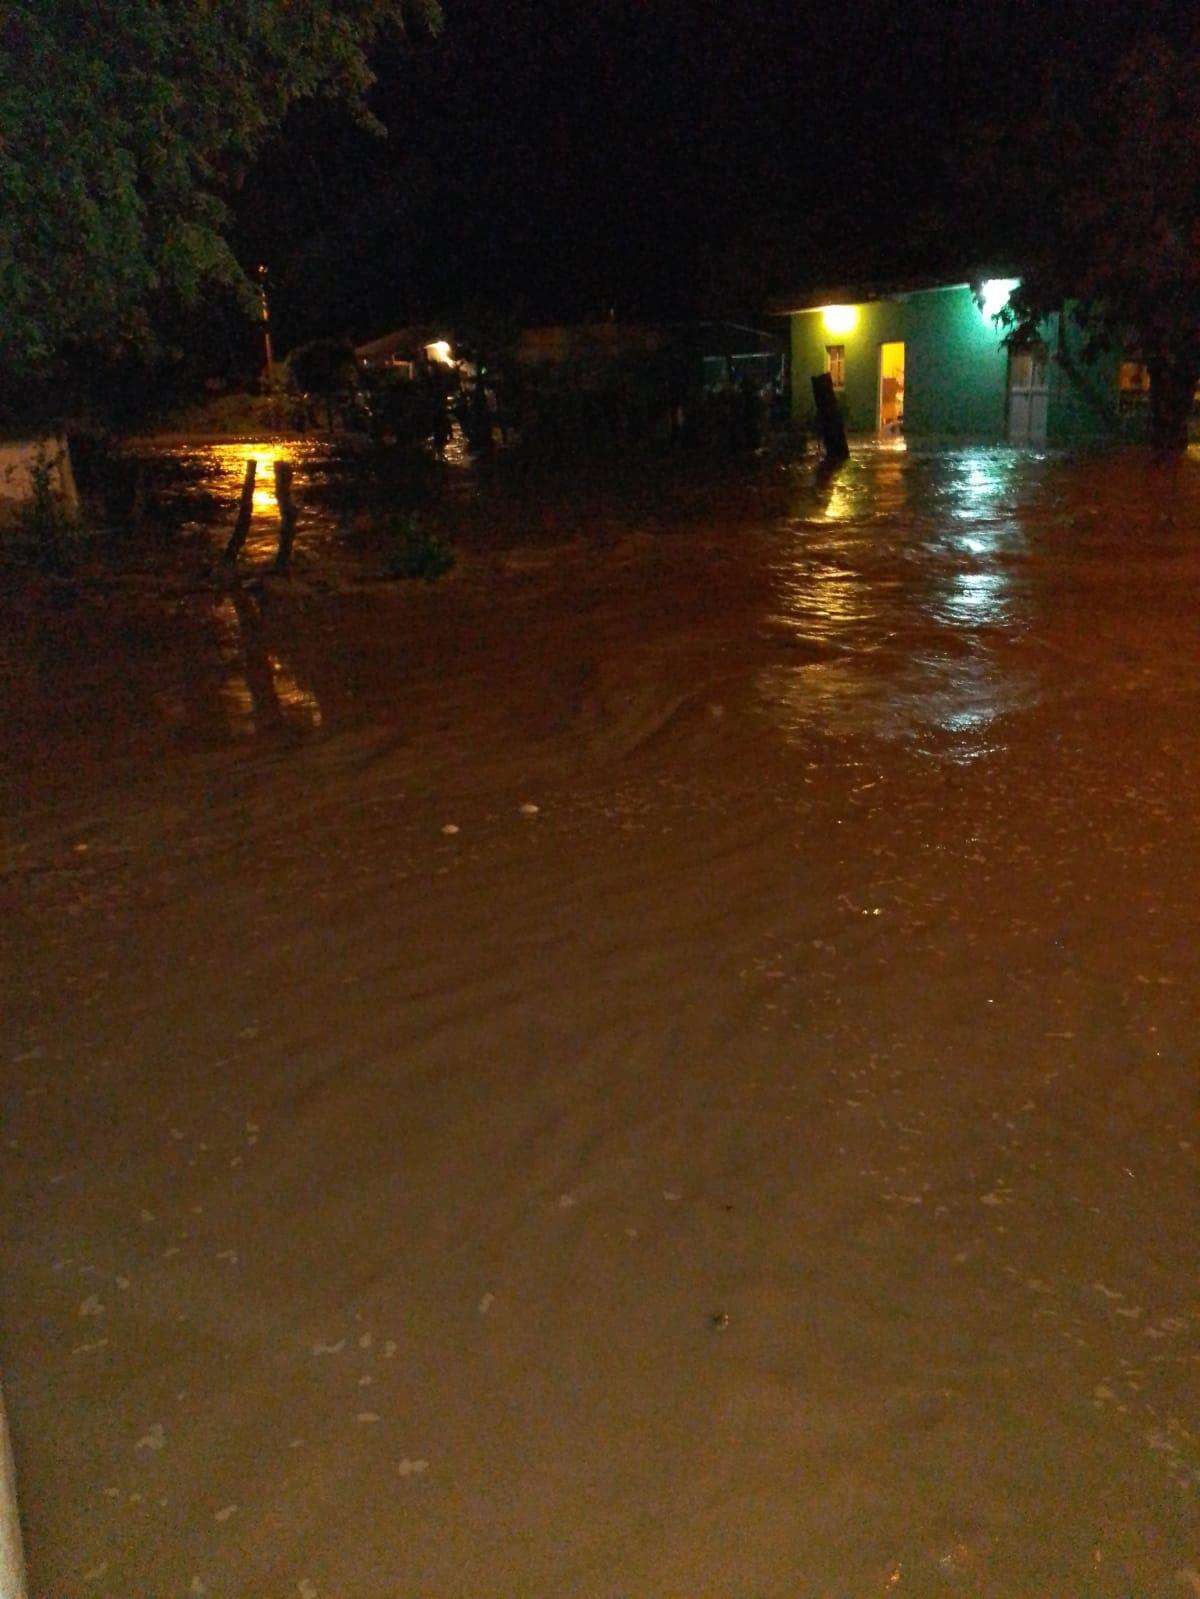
[1037,349]
[883,344]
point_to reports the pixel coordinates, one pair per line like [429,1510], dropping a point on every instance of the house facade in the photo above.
[929,363]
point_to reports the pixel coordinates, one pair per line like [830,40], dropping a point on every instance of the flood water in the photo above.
[664,1062]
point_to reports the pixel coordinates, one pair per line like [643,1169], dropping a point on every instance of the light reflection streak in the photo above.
[229,468]
[259,690]
[925,549]
[298,704]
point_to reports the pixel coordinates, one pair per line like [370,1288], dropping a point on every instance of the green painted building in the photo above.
[929,363]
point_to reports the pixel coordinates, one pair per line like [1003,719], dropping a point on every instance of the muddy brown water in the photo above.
[663,1063]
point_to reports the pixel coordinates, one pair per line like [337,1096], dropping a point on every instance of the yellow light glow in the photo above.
[839,318]
[439,351]
[230,463]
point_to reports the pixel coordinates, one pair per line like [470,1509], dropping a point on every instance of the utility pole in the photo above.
[265,320]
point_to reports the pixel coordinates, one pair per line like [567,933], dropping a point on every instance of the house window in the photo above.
[835,364]
[1133,385]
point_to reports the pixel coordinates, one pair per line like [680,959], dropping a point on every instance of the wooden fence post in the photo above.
[288,512]
[245,511]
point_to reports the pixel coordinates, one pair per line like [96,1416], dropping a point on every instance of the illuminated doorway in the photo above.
[891,390]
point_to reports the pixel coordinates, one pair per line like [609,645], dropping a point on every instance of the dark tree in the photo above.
[125,126]
[326,369]
[1103,189]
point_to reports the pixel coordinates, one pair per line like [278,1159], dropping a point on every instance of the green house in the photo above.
[929,363]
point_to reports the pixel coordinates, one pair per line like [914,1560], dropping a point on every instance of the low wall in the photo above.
[18,459]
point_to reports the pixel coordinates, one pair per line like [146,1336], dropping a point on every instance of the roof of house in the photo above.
[401,344]
[865,291]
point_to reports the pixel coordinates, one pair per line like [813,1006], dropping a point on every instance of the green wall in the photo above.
[1084,402]
[956,371]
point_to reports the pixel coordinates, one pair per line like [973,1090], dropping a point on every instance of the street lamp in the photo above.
[265,321]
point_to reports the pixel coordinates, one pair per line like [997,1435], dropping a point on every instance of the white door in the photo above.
[1028,394]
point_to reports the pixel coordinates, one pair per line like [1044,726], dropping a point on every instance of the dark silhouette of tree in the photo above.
[1102,190]
[325,369]
[125,126]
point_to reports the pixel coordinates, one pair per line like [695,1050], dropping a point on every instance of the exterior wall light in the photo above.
[994,295]
[439,351]
[839,318]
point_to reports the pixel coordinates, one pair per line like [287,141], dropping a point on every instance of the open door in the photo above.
[891,390]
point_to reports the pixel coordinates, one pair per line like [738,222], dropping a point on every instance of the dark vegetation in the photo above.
[127,128]
[1096,193]
[665,161]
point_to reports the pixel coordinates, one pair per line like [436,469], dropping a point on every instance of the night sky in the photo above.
[655,158]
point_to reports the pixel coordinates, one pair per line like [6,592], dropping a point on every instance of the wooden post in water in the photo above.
[12,1563]
[829,420]
[288,512]
[245,511]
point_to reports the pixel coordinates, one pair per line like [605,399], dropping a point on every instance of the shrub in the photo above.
[418,552]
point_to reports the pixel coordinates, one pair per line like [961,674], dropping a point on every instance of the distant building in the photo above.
[407,350]
[927,361]
[719,355]
[595,344]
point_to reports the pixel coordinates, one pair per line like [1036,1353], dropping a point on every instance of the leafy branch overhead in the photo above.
[124,127]
[1101,192]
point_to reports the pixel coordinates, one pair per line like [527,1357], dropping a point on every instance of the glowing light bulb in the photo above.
[840,318]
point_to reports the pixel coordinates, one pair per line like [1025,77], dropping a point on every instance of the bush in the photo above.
[326,369]
[418,552]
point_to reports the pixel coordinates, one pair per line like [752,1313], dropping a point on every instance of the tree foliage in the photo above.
[125,125]
[1103,186]
[324,366]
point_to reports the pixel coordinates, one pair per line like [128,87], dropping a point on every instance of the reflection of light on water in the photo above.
[873,482]
[456,452]
[236,698]
[904,607]
[238,703]
[820,599]
[977,598]
[829,697]
[298,704]
[259,689]
[230,461]
[849,697]
[979,484]
[840,505]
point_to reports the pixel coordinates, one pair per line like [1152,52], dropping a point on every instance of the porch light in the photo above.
[439,351]
[995,293]
[839,318]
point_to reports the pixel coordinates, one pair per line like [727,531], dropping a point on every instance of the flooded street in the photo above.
[663,1063]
